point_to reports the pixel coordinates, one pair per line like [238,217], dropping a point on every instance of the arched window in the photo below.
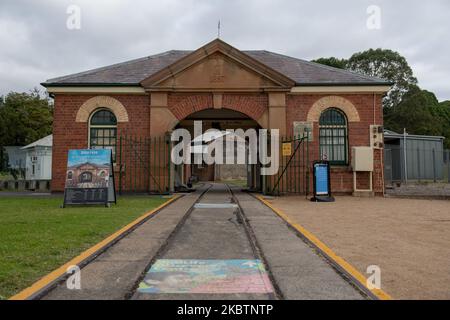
[103,130]
[333,136]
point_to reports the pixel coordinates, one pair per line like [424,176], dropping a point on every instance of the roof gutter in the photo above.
[332,88]
[94,89]
[340,84]
[87,84]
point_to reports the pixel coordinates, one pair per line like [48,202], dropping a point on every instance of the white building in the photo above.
[39,159]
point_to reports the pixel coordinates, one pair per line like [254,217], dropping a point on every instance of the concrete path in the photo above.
[212,233]
[11,194]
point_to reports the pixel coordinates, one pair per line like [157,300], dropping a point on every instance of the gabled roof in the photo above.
[304,72]
[44,142]
[214,65]
[132,73]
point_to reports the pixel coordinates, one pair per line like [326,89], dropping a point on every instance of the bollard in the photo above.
[418,164]
[448,166]
[434,166]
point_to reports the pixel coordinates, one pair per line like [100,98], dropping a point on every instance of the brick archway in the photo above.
[333,101]
[185,105]
[254,106]
[94,103]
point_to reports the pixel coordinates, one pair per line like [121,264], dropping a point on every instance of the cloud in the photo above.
[36,45]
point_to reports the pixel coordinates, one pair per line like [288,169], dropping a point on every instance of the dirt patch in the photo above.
[408,239]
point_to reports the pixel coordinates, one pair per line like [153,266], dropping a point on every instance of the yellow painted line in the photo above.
[52,276]
[330,253]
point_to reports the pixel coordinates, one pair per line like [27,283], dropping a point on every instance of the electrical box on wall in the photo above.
[376,136]
[362,159]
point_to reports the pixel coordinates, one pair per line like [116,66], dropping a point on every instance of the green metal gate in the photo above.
[293,174]
[143,164]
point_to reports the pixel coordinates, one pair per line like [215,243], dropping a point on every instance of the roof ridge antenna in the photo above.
[218,29]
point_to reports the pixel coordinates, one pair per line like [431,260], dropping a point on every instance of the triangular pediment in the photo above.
[217,66]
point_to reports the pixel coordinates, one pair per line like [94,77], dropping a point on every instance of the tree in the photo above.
[419,112]
[406,105]
[24,118]
[443,112]
[3,160]
[332,62]
[388,65]
[445,104]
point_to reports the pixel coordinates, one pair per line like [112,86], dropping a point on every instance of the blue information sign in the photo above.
[322,190]
[321,173]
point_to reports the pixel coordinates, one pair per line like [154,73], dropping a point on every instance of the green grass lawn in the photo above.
[5,176]
[37,236]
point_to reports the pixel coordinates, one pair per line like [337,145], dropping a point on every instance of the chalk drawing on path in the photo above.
[206,276]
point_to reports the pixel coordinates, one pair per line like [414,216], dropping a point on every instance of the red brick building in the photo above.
[151,96]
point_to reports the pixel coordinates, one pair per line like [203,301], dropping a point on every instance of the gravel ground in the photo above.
[421,190]
[408,239]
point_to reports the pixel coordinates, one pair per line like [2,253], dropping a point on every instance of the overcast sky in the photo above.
[35,43]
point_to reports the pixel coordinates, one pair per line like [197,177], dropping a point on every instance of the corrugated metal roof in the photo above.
[394,135]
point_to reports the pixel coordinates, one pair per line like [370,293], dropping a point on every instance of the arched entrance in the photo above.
[224,120]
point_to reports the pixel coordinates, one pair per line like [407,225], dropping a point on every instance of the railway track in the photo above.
[166,244]
[258,253]
[215,227]
[229,204]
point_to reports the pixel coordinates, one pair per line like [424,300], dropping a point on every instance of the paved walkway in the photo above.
[9,194]
[205,253]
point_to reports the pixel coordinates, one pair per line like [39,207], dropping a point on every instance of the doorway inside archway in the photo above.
[245,175]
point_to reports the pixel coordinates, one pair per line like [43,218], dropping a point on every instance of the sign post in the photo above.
[90,178]
[322,182]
